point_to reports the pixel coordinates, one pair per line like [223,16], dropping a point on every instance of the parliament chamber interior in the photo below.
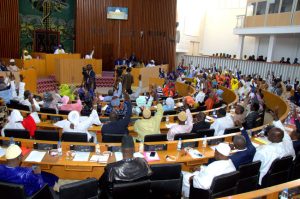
[137,99]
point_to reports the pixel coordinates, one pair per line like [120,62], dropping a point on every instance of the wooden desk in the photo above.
[147,73]
[38,64]
[69,71]
[51,61]
[268,193]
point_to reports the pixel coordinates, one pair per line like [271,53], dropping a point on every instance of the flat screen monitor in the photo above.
[117,13]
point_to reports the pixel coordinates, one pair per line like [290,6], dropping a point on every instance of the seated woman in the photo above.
[67,106]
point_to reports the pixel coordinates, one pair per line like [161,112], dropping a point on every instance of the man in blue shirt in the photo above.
[12,172]
[245,149]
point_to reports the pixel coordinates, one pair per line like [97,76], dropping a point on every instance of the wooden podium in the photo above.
[69,71]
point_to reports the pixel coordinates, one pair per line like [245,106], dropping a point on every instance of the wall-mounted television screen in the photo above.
[118,13]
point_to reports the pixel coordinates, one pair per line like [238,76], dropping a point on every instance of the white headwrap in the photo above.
[74,117]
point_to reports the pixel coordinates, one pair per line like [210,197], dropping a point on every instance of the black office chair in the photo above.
[84,189]
[112,138]
[231,130]
[155,138]
[63,112]
[17,133]
[202,108]
[206,132]
[278,172]
[186,136]
[295,172]
[166,181]
[223,185]
[13,102]
[50,135]
[174,112]
[22,107]
[48,110]
[249,176]
[17,191]
[132,190]
[74,137]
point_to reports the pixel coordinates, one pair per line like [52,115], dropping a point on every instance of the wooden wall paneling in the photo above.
[9,28]
[156,18]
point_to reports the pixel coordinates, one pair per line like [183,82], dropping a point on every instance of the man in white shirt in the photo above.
[75,123]
[203,178]
[151,63]
[12,66]
[26,56]
[281,146]
[223,122]
[59,50]
[27,98]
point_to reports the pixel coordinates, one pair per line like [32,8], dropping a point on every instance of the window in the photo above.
[261,8]
[298,6]
[250,9]
[274,6]
[286,6]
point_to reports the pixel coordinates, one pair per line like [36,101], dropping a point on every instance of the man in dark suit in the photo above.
[129,169]
[245,149]
[200,124]
[116,125]
[250,120]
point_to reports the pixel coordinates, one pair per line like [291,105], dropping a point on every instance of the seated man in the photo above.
[252,116]
[116,106]
[245,149]
[200,123]
[28,97]
[185,124]
[203,178]
[149,125]
[12,66]
[129,169]
[223,122]
[143,102]
[75,123]
[239,115]
[109,96]
[16,121]
[281,146]
[116,125]
[59,50]
[32,179]
[169,106]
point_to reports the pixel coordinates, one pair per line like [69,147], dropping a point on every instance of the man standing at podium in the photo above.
[59,50]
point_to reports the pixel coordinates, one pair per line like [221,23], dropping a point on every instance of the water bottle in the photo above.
[11,141]
[167,119]
[179,144]
[97,149]
[284,194]
[204,142]
[141,147]
[59,149]
[214,113]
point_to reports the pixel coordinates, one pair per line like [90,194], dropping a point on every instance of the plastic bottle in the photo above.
[214,113]
[11,141]
[179,144]
[59,149]
[204,142]
[97,149]
[167,119]
[141,147]
[284,194]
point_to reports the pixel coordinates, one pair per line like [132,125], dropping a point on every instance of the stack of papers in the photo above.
[99,158]
[138,155]
[82,156]
[35,156]
[194,153]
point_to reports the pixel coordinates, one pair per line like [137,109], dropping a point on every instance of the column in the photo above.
[240,46]
[272,42]
[256,46]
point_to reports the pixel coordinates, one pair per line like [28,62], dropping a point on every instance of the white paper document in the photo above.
[82,156]
[138,155]
[35,156]
[104,107]
[118,156]
[194,153]
[170,125]
[99,158]
[2,152]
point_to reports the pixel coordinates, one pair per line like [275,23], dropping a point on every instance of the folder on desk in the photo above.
[35,156]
